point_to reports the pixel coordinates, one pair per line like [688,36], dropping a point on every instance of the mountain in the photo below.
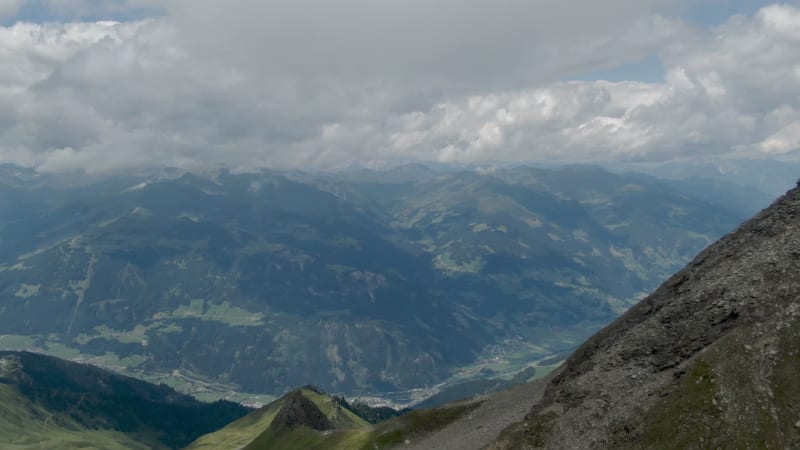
[770,176]
[709,360]
[735,197]
[368,283]
[301,415]
[51,403]
[308,419]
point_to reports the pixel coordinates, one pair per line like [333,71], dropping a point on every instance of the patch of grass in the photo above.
[416,423]
[629,261]
[340,269]
[239,433]
[480,227]
[689,415]
[16,342]
[138,335]
[111,360]
[303,438]
[725,400]
[446,263]
[330,407]
[27,290]
[223,312]
[531,433]
[62,351]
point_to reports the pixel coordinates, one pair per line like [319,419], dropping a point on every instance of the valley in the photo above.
[384,225]
[389,285]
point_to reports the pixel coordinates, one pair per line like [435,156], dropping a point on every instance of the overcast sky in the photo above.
[109,85]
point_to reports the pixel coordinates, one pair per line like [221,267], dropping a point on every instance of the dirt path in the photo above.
[482,426]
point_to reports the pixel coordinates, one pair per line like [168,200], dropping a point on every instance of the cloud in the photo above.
[734,91]
[783,141]
[9,8]
[447,44]
[316,84]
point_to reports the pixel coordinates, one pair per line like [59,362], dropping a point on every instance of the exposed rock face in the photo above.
[298,411]
[710,360]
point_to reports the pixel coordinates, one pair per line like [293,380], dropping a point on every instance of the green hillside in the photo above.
[46,403]
[341,429]
[29,426]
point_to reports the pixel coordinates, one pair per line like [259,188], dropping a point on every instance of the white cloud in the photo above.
[734,90]
[783,141]
[243,83]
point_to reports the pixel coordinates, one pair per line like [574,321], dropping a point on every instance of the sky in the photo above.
[103,86]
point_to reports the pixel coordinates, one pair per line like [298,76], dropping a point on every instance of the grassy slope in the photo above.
[328,406]
[239,433]
[50,403]
[25,425]
[245,430]
[384,435]
[253,432]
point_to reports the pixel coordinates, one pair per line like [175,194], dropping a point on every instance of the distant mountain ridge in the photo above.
[362,282]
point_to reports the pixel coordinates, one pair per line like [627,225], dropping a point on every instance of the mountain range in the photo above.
[708,360]
[364,282]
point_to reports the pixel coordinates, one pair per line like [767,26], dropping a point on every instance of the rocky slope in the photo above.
[482,426]
[709,360]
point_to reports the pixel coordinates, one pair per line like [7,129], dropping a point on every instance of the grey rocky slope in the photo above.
[482,426]
[710,360]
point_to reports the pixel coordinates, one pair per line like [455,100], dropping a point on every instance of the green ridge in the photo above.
[50,403]
[254,432]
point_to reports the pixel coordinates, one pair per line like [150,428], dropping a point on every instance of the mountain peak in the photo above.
[722,333]
[299,411]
